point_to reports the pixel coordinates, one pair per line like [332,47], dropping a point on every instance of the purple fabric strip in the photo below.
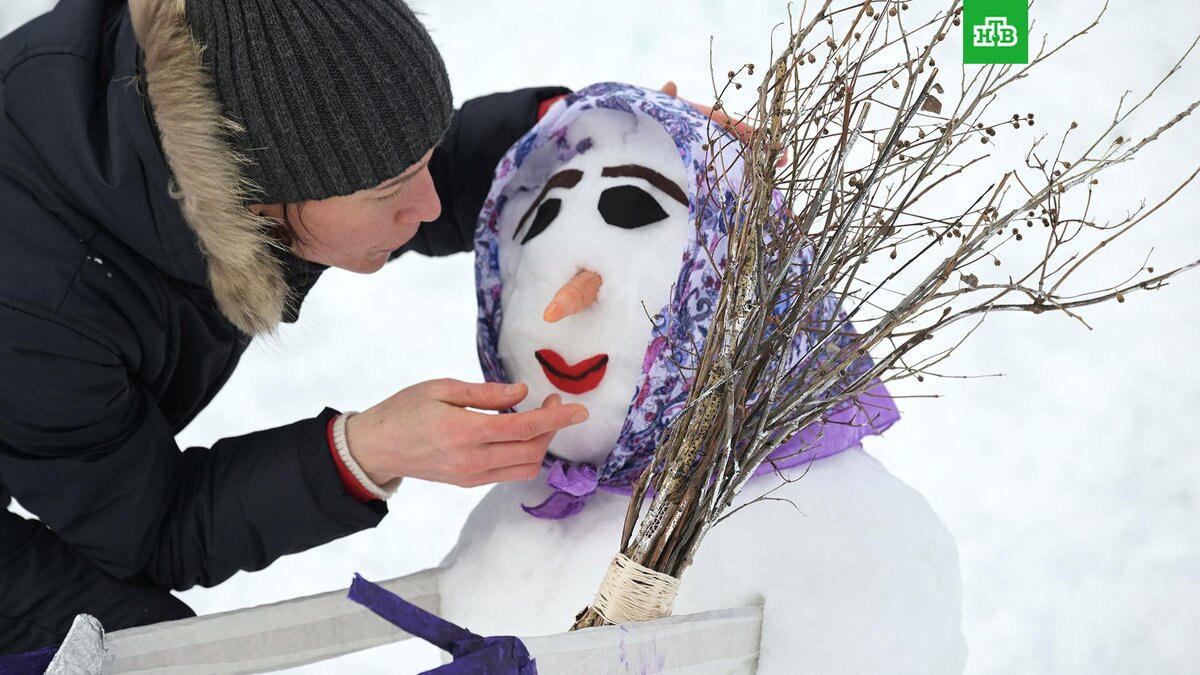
[558,505]
[30,663]
[876,411]
[473,654]
[844,429]
[573,484]
[578,480]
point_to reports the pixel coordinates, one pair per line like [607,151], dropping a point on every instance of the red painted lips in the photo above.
[577,379]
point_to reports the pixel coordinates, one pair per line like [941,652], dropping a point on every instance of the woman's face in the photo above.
[358,232]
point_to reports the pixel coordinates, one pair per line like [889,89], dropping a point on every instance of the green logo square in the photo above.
[995,31]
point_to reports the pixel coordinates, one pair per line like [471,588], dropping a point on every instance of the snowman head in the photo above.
[599,256]
[587,256]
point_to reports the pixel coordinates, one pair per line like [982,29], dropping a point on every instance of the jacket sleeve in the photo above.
[463,165]
[85,448]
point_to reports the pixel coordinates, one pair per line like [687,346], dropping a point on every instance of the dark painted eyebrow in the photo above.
[402,179]
[668,186]
[563,179]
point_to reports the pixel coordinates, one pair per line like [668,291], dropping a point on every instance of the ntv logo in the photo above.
[995,32]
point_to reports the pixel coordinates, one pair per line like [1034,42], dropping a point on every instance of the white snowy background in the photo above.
[1072,483]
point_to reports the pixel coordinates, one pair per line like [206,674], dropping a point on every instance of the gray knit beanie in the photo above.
[336,96]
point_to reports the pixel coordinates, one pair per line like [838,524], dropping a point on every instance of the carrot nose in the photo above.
[575,296]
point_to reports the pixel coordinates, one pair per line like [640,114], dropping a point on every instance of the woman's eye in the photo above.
[630,207]
[387,197]
[546,214]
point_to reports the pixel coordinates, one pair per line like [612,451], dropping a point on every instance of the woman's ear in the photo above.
[270,210]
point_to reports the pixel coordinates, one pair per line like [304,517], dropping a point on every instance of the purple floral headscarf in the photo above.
[662,390]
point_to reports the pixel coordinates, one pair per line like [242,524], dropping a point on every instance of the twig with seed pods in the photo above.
[855,99]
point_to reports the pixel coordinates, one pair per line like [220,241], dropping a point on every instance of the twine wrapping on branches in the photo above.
[631,592]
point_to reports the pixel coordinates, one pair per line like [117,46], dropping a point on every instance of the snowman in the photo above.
[595,260]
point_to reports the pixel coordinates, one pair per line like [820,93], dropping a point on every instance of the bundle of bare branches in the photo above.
[873,208]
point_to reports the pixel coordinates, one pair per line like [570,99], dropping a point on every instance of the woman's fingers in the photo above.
[508,473]
[552,400]
[425,432]
[524,426]
[515,453]
[520,460]
[481,395]
[514,460]
[744,132]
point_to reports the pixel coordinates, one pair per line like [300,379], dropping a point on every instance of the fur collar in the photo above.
[246,277]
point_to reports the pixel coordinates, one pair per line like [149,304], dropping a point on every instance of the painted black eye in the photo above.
[630,207]
[546,214]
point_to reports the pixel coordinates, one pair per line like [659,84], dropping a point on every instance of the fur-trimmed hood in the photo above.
[247,277]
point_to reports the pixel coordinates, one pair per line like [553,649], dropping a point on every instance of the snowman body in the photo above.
[854,571]
[855,575]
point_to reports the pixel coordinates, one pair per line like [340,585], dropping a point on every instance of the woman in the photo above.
[173,181]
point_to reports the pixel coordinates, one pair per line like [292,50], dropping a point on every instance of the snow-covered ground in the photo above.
[1072,484]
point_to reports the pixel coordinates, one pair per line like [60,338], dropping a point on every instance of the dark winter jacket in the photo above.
[131,282]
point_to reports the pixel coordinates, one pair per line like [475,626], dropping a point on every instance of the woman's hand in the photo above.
[743,131]
[426,432]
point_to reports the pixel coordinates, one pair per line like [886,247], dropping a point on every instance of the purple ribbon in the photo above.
[30,663]
[473,654]
[874,413]
[573,485]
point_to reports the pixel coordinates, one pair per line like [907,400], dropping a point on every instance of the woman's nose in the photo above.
[429,205]
[575,296]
